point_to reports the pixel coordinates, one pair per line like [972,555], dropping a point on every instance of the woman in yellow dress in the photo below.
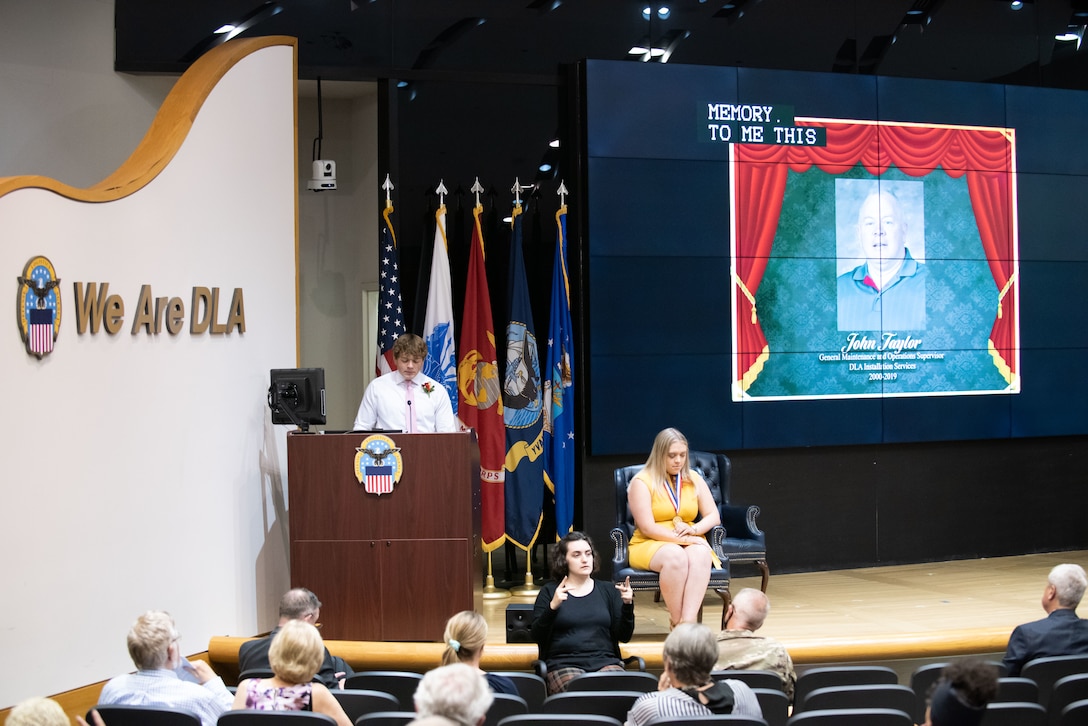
[673,510]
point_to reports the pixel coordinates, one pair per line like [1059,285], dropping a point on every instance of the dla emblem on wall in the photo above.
[378,464]
[38,306]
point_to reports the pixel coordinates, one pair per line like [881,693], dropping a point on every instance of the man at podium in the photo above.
[405,399]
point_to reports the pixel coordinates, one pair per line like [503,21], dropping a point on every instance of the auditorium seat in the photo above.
[505,705]
[559,719]
[869,695]
[754,678]
[249,717]
[1067,690]
[144,716]
[530,686]
[1013,713]
[602,703]
[851,717]
[399,684]
[728,719]
[1075,714]
[1017,690]
[774,704]
[1046,671]
[825,676]
[613,681]
[255,673]
[713,468]
[358,702]
[921,682]
[384,718]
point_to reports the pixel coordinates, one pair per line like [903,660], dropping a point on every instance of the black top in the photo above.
[585,632]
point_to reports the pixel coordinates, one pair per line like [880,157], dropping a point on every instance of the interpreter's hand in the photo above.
[560,595]
[626,593]
[202,671]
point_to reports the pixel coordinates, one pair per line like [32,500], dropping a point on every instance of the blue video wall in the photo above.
[781,259]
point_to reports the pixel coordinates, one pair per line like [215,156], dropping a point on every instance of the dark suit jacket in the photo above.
[1060,633]
[254,654]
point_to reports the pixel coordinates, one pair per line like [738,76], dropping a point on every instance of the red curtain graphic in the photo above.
[985,156]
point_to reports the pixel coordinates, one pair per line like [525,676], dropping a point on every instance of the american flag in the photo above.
[379,480]
[41,332]
[390,308]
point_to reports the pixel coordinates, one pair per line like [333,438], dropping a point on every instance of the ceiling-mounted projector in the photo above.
[324,176]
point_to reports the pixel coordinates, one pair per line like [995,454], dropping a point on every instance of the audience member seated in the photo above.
[296,604]
[37,711]
[153,645]
[961,694]
[665,499]
[739,648]
[1061,632]
[457,692]
[295,655]
[686,688]
[578,621]
[465,636]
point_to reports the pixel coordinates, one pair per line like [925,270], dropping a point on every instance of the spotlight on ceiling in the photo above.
[1074,33]
[664,12]
[1017,4]
[642,47]
[646,12]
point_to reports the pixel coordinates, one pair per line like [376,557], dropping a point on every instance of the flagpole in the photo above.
[529,589]
[490,591]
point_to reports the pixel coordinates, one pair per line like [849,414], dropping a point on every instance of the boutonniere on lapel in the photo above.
[428,388]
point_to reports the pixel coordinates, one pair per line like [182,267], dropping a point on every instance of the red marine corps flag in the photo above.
[479,388]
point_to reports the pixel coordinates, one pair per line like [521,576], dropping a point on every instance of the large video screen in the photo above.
[790,259]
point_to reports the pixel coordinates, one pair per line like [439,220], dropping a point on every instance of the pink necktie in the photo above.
[410,419]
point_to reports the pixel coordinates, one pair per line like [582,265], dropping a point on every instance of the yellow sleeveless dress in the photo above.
[642,549]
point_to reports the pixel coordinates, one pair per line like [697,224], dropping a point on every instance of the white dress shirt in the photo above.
[385,405]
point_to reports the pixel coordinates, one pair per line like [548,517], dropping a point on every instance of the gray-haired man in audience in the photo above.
[739,648]
[153,645]
[296,604]
[1061,632]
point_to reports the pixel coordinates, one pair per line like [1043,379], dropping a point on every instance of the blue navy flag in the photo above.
[390,308]
[522,408]
[559,390]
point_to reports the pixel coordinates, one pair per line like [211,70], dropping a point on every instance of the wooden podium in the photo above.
[394,566]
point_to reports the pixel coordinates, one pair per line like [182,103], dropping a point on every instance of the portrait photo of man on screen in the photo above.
[887,291]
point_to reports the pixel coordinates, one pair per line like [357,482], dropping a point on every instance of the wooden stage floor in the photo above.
[910,613]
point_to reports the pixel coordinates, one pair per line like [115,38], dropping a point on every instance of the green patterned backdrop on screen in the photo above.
[796,300]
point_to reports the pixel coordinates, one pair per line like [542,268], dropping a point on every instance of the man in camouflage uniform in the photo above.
[739,648]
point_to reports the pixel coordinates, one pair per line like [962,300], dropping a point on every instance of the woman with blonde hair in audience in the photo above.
[466,633]
[295,655]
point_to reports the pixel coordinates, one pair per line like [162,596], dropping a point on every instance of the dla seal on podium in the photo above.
[378,464]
